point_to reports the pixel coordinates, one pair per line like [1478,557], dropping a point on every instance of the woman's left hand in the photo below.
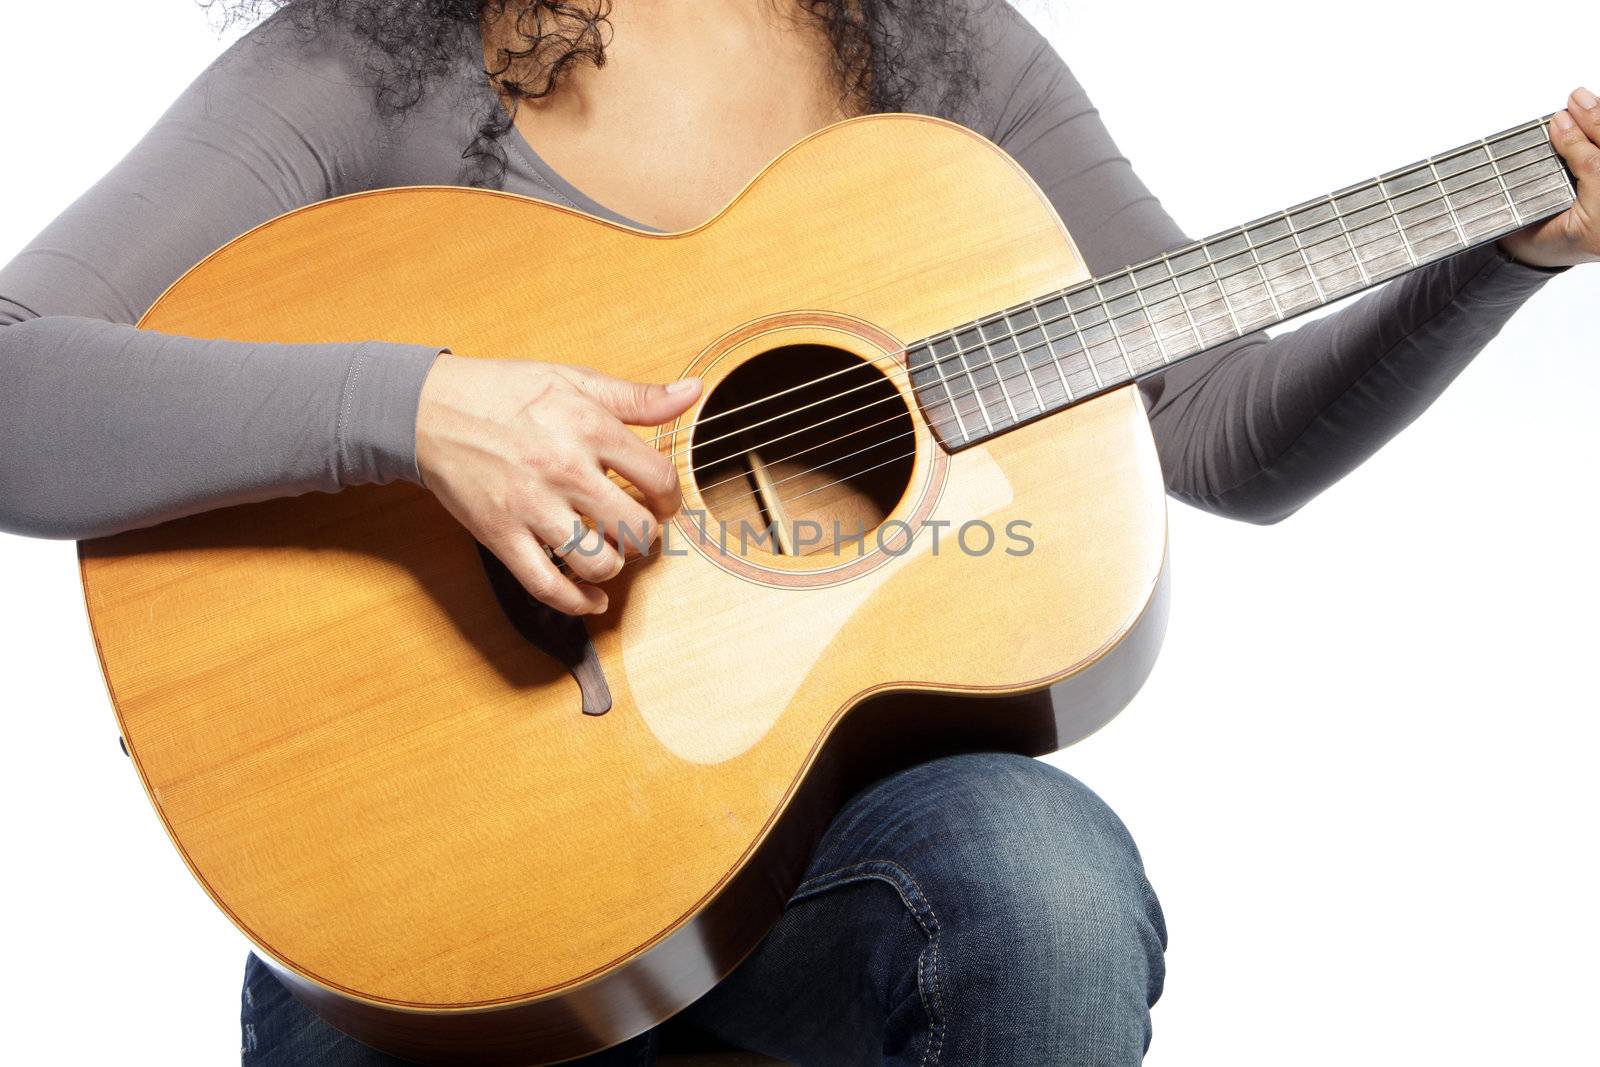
[1573,236]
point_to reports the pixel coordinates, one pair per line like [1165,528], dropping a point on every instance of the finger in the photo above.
[1585,111]
[585,551]
[526,561]
[639,403]
[625,522]
[653,474]
[1580,152]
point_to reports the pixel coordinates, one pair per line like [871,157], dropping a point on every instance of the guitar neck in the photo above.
[991,375]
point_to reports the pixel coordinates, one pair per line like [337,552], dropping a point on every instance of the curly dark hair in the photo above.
[888,55]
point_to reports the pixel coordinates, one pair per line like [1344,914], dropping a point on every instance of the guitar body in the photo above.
[400,800]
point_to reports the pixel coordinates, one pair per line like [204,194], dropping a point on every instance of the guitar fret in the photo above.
[984,365]
[1194,328]
[1404,179]
[929,350]
[1479,201]
[1405,241]
[995,335]
[1157,295]
[1089,316]
[1229,257]
[1276,255]
[999,349]
[1411,197]
[1083,345]
[970,363]
[1266,283]
[1209,328]
[1470,180]
[1039,330]
[1058,326]
[1500,177]
[1317,228]
[969,400]
[1028,401]
[1366,278]
[1498,210]
[969,394]
[1161,349]
[1517,139]
[1115,336]
[1141,337]
[1227,305]
[1322,297]
[1532,143]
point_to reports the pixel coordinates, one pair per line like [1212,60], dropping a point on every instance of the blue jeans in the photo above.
[978,909]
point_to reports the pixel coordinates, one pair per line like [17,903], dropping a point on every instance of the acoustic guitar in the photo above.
[920,490]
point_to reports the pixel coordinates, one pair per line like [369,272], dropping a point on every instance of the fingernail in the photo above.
[1584,98]
[683,385]
[1561,120]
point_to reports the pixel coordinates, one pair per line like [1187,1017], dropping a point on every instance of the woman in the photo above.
[931,927]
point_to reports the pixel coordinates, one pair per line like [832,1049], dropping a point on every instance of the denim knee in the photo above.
[1032,849]
[978,909]
[1049,933]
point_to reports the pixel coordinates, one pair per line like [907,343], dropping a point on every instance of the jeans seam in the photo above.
[921,909]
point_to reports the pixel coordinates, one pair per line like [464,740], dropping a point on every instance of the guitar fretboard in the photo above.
[985,377]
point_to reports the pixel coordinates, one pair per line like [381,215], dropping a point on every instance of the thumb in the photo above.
[641,403]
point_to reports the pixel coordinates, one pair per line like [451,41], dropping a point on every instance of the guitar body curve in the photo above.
[401,802]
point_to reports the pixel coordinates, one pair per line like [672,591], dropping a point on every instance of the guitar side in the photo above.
[401,803]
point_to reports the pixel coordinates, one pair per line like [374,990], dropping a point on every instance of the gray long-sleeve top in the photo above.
[104,427]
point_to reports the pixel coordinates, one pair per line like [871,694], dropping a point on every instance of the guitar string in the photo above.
[1268,287]
[1444,197]
[898,415]
[1153,322]
[1343,245]
[1487,144]
[1264,285]
[1543,155]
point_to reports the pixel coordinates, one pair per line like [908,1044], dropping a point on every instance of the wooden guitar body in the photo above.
[400,800]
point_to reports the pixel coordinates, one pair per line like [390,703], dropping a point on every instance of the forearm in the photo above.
[105,428]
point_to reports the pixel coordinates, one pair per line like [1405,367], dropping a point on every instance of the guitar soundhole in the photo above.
[801,450]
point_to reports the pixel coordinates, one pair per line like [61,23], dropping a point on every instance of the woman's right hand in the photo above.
[519,452]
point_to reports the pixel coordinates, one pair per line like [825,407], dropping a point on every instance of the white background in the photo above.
[1362,775]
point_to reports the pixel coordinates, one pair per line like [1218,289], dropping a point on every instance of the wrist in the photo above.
[1532,248]
[434,401]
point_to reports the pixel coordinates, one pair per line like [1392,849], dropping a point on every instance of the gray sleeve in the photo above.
[104,427]
[1256,428]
